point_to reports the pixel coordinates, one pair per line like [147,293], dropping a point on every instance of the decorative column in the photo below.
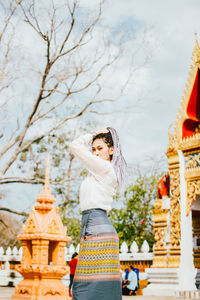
[160,217]
[175,231]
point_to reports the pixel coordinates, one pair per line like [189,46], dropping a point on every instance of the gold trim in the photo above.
[196,53]
[192,173]
[189,152]
[190,142]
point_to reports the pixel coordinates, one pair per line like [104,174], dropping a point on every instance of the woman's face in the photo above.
[101,149]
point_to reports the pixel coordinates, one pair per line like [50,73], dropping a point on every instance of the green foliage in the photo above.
[133,222]
[73,228]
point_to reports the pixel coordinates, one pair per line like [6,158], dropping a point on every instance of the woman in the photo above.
[97,273]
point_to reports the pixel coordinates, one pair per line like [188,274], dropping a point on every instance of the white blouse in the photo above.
[99,187]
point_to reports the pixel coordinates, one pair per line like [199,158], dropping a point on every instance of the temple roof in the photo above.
[187,125]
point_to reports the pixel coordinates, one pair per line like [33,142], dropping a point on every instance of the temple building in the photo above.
[43,241]
[176,213]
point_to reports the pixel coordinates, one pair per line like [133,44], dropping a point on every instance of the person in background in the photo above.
[72,264]
[124,277]
[131,284]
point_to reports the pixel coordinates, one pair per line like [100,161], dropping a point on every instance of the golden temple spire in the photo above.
[46,187]
[46,197]
[47,171]
[196,53]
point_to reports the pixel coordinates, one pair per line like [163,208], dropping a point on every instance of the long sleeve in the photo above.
[96,165]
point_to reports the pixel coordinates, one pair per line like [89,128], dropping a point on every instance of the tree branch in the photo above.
[33,180]
[14,211]
[6,23]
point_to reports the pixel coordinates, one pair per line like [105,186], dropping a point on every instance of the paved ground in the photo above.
[6,292]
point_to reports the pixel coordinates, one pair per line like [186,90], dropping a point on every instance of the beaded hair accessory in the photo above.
[118,161]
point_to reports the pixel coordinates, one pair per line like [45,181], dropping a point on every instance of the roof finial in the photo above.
[46,198]
[196,52]
[46,187]
[47,171]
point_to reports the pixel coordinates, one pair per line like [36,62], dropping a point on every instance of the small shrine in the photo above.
[43,241]
[176,213]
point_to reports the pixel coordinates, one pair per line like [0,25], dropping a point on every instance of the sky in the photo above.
[168,29]
[171,27]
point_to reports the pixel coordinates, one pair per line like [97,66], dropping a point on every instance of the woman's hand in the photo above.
[103,130]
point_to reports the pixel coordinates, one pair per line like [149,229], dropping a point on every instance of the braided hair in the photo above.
[119,164]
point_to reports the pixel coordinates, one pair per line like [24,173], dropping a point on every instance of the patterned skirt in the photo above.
[97,274]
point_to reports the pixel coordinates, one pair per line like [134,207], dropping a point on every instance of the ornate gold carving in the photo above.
[196,53]
[173,160]
[193,189]
[31,227]
[174,260]
[53,228]
[196,255]
[160,261]
[160,217]
[172,144]
[192,173]
[175,233]
[158,204]
[160,236]
[191,142]
[192,161]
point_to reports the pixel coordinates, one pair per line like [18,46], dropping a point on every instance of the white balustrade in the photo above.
[14,255]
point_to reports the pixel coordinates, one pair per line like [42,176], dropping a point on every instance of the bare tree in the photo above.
[63,77]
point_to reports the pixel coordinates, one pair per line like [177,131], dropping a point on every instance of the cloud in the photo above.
[171,36]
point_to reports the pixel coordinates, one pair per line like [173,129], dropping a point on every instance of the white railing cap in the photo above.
[145,247]
[134,247]
[8,251]
[15,251]
[124,248]
[78,248]
[71,249]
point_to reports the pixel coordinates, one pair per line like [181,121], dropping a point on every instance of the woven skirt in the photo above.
[97,275]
